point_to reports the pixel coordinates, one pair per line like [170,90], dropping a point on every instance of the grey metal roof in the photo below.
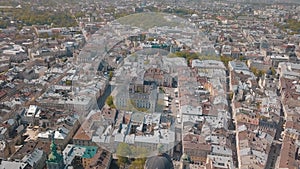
[159,162]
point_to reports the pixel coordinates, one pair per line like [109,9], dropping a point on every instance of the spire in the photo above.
[54,156]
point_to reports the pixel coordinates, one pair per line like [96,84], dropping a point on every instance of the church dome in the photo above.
[162,161]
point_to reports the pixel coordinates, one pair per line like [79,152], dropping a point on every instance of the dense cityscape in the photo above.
[149,84]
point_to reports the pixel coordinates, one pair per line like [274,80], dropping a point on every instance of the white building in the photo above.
[32,115]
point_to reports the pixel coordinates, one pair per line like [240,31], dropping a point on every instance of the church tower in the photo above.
[55,160]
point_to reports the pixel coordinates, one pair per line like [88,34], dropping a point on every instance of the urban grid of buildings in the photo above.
[146,84]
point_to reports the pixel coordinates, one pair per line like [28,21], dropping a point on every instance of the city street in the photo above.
[275,147]
[101,100]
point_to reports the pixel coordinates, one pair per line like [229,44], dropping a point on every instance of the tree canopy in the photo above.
[123,152]
[110,102]
[28,16]
[292,24]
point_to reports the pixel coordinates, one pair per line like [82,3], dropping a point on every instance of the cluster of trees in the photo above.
[190,56]
[28,16]
[110,102]
[69,82]
[134,157]
[257,73]
[109,9]
[291,24]
[273,70]
[260,73]
[110,75]
[3,24]
[226,60]
[79,14]
[179,11]
[150,39]
[121,14]
[187,55]
[47,17]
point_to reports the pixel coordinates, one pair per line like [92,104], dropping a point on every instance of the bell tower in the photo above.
[55,160]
